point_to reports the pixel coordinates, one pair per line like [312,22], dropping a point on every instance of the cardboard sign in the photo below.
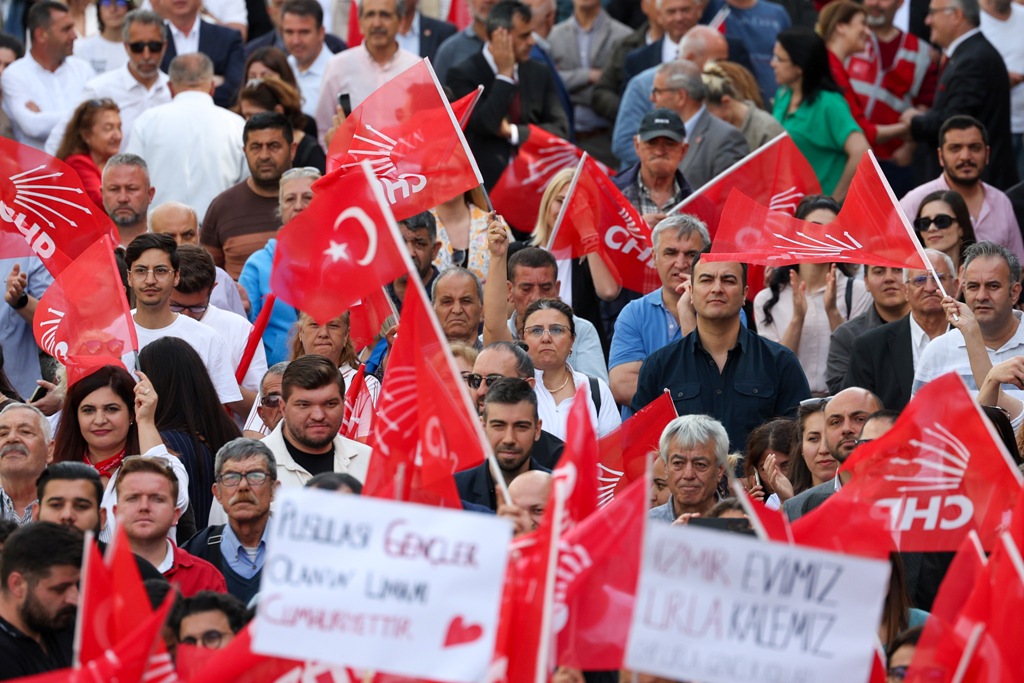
[718,607]
[376,584]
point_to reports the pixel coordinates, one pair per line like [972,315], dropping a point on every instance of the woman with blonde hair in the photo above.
[723,100]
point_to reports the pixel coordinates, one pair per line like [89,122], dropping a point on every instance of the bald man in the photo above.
[179,221]
[846,414]
[529,492]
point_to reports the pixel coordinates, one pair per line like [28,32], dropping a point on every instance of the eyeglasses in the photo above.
[194,310]
[941,222]
[922,280]
[233,479]
[210,639]
[818,402]
[101,102]
[474,380]
[300,172]
[159,272]
[271,400]
[658,91]
[896,673]
[537,331]
[140,46]
[936,10]
[119,3]
[95,346]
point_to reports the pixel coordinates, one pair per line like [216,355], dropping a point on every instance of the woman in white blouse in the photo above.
[549,332]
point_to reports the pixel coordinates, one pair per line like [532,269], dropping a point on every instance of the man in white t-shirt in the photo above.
[152,274]
[191,297]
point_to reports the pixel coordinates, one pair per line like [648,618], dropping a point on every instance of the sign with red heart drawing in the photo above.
[398,588]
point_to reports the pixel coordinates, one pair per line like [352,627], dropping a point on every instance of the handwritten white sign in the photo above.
[719,607]
[395,587]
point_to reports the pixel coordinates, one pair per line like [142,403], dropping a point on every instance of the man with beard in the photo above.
[127,194]
[246,475]
[38,599]
[420,235]
[242,218]
[512,427]
[306,440]
[25,448]
[964,156]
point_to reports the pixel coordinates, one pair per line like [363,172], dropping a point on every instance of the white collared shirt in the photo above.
[310,79]
[956,43]
[919,339]
[410,42]
[185,43]
[131,97]
[669,50]
[53,92]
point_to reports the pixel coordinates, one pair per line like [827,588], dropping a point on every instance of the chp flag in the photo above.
[42,200]
[408,133]
[597,218]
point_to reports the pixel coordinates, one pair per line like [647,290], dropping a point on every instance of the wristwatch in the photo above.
[21,302]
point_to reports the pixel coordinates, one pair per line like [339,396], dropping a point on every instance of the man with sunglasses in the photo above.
[245,472]
[883,359]
[964,155]
[135,87]
[197,278]
[267,414]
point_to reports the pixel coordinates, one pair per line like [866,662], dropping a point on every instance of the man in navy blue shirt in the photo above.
[722,369]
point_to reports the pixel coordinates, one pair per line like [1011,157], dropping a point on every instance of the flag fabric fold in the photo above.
[625,452]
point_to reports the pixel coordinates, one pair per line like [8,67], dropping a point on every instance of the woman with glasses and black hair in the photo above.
[943,223]
[92,136]
[191,421]
[549,332]
[820,299]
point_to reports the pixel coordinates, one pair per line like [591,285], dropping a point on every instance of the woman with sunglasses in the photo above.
[107,417]
[943,223]
[189,416]
[549,332]
[105,50]
[92,136]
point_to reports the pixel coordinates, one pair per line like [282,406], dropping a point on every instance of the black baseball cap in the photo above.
[661,123]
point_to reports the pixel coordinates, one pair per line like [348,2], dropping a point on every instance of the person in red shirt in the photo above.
[146,494]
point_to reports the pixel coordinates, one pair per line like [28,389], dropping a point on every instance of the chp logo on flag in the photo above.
[573,560]
[378,149]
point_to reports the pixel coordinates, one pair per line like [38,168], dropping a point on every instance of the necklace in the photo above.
[555,391]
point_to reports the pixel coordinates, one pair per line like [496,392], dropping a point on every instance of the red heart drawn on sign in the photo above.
[460,634]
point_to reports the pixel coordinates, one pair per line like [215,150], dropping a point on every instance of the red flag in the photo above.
[938,473]
[1005,628]
[871,228]
[425,428]
[355,398]
[598,569]
[464,106]
[576,475]
[338,251]
[93,633]
[355,34]
[770,525]
[236,663]
[458,14]
[597,218]
[863,532]
[407,131]
[43,201]
[625,451]
[517,194]
[366,318]
[84,314]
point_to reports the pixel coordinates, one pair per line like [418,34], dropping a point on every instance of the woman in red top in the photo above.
[843,27]
[92,136]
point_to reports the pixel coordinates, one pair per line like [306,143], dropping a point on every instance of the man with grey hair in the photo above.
[245,472]
[991,286]
[193,147]
[975,83]
[714,145]
[266,413]
[26,446]
[127,194]
[136,86]
[694,449]
[420,235]
[458,298]
[883,358]
[663,316]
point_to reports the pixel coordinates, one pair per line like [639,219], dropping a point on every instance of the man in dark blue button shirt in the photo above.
[721,368]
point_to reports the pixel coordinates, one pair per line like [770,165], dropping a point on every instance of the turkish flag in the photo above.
[626,451]
[517,194]
[576,475]
[339,251]
[464,106]
[94,633]
[458,14]
[356,397]
[84,315]
[940,472]
[871,228]
[366,318]
[355,34]
[425,428]
[407,131]
[598,569]
[597,218]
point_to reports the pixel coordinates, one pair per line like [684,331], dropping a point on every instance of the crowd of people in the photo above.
[200,127]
